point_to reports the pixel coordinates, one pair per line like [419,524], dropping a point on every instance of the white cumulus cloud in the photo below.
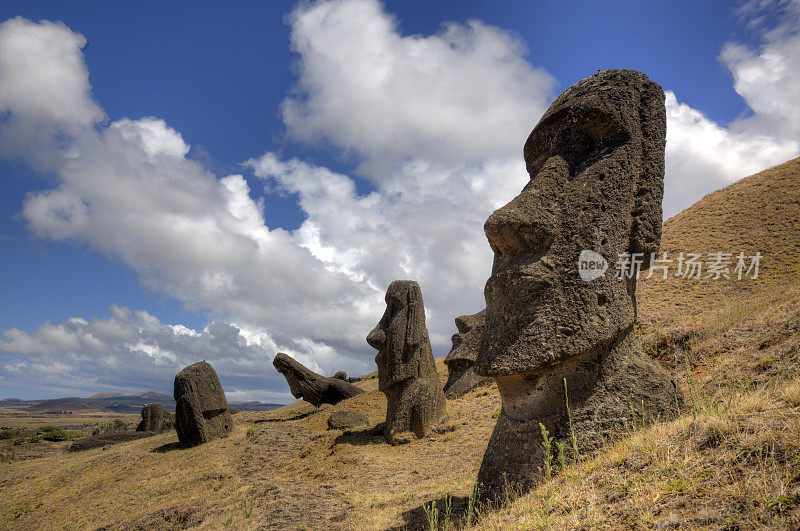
[464,94]
[436,123]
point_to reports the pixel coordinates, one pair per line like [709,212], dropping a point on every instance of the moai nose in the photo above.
[462,325]
[513,231]
[525,225]
[377,338]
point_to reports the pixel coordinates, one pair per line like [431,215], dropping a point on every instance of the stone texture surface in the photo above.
[152,417]
[596,166]
[406,370]
[340,375]
[310,386]
[346,419]
[461,358]
[201,410]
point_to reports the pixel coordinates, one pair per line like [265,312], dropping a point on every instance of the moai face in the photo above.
[400,334]
[596,166]
[467,340]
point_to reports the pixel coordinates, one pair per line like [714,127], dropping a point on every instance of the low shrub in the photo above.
[115,426]
[8,433]
[169,421]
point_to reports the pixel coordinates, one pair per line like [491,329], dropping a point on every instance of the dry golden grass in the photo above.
[736,468]
[731,461]
[127,483]
[24,421]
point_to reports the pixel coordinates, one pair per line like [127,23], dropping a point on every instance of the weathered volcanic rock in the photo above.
[596,166]
[461,359]
[346,419]
[310,386]
[406,370]
[152,417]
[340,375]
[201,410]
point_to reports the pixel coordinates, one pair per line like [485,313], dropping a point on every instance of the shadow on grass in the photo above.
[453,518]
[169,447]
[365,437]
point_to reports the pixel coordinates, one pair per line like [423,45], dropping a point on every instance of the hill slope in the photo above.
[732,460]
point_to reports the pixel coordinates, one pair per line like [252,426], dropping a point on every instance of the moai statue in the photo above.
[152,417]
[406,370]
[596,166]
[461,358]
[310,386]
[201,410]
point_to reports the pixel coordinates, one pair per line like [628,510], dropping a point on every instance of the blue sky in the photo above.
[203,180]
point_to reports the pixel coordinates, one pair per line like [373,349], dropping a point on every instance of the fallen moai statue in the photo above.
[310,386]
[201,410]
[406,370]
[558,342]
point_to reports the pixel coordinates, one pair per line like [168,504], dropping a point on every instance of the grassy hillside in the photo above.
[731,461]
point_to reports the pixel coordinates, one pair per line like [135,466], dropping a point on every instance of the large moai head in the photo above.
[596,166]
[401,337]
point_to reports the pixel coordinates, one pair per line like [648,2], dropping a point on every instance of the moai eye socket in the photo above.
[581,136]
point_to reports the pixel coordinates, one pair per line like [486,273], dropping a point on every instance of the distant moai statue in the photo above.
[406,370]
[152,417]
[596,166]
[460,360]
[312,387]
[201,410]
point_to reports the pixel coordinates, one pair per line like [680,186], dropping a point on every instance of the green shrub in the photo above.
[547,451]
[8,434]
[26,439]
[115,426]
[54,435]
[169,421]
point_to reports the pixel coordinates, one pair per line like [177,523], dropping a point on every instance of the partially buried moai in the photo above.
[596,166]
[460,360]
[152,417]
[201,410]
[406,370]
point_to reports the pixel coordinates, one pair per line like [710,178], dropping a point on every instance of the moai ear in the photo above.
[647,212]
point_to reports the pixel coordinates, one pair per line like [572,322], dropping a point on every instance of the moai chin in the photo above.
[461,358]
[596,166]
[406,370]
